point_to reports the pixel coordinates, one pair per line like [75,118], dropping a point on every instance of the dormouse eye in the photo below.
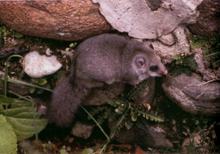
[140,61]
[154,68]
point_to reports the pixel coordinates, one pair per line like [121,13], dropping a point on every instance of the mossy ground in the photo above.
[179,124]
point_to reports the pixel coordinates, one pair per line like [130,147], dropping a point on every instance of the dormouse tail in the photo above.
[66,99]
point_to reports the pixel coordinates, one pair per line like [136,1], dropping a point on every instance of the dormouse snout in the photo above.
[164,72]
[156,70]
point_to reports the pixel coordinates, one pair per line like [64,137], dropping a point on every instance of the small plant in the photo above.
[134,111]
[123,111]
[210,46]
[9,32]
[18,116]
[18,120]
[183,64]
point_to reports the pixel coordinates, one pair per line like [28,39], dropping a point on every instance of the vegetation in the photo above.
[19,119]
[211,46]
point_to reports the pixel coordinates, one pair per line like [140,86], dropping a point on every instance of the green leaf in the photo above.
[73,44]
[25,127]
[88,151]
[8,139]
[40,82]
[152,117]
[17,110]
[22,116]
[13,101]
[27,115]
[17,35]
[63,151]
[128,124]
[133,116]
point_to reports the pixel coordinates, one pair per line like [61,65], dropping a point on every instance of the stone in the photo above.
[192,94]
[208,22]
[145,135]
[37,66]
[147,19]
[101,96]
[173,45]
[82,130]
[57,19]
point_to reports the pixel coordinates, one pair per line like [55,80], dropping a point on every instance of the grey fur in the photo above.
[102,59]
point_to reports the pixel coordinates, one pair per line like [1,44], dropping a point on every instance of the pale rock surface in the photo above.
[147,19]
[37,66]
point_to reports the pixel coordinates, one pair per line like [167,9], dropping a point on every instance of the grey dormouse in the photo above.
[100,60]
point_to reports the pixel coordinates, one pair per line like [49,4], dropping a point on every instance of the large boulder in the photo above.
[57,19]
[194,95]
[208,22]
[148,19]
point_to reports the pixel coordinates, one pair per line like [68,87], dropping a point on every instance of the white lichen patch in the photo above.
[173,45]
[37,66]
[138,19]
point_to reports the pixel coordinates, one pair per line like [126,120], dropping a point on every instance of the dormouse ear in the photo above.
[140,61]
[151,46]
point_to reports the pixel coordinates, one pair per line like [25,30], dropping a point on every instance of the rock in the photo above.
[100,96]
[28,146]
[37,66]
[208,22]
[5,52]
[18,88]
[193,95]
[202,65]
[194,139]
[218,73]
[144,135]
[41,108]
[147,19]
[57,19]
[172,45]
[168,40]
[199,142]
[82,130]
[143,93]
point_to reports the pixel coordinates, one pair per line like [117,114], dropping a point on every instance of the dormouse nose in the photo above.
[154,68]
[159,70]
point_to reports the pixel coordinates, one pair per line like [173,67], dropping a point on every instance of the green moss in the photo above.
[210,46]
[199,41]
[187,64]
[5,32]
[183,65]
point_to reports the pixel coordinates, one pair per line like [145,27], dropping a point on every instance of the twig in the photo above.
[212,54]
[213,80]
[114,131]
[20,96]
[15,81]
[6,72]
[96,122]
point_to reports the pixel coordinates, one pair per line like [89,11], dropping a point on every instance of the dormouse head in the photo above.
[144,63]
